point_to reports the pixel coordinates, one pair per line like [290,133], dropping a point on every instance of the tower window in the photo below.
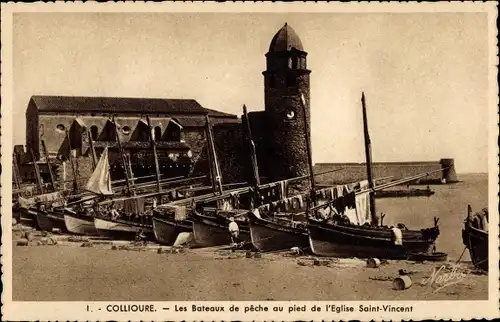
[291,81]
[60,128]
[295,63]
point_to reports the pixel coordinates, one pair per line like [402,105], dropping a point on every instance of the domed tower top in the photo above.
[286,39]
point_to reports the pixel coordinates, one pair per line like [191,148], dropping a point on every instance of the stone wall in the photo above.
[231,152]
[397,170]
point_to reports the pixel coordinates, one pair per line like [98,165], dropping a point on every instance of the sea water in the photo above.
[449,204]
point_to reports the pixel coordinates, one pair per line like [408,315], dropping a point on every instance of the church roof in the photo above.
[285,39]
[122,105]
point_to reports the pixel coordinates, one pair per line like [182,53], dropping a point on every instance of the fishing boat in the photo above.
[211,222]
[78,223]
[38,210]
[475,237]
[404,193]
[48,220]
[274,234]
[212,230]
[166,229]
[122,230]
[341,237]
[348,240]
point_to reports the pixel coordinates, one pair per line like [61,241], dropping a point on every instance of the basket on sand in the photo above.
[401,283]
[372,262]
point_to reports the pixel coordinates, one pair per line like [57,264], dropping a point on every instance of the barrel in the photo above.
[372,262]
[401,283]
[22,242]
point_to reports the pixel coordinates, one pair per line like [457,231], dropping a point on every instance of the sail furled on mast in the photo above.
[100,181]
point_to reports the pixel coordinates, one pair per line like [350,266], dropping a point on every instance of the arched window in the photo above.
[94,132]
[157,133]
[295,63]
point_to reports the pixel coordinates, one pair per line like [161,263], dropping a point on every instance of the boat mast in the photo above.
[37,172]
[92,150]
[210,161]
[131,173]
[17,176]
[120,150]
[253,152]
[368,153]
[52,180]
[308,145]
[153,145]
[73,167]
[218,176]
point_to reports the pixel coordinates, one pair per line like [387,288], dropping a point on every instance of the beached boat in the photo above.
[211,231]
[26,217]
[274,235]
[47,221]
[340,237]
[475,238]
[347,240]
[79,224]
[167,229]
[122,230]
[404,193]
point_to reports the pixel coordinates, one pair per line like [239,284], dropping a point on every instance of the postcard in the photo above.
[249,161]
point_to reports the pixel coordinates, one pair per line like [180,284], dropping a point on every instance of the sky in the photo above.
[425,75]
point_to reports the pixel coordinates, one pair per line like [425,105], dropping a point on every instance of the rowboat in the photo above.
[475,238]
[404,193]
[79,224]
[167,229]
[211,231]
[346,240]
[273,235]
[47,221]
[121,229]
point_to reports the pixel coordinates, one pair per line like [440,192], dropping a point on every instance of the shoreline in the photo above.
[106,273]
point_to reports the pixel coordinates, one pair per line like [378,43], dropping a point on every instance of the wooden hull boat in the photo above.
[167,229]
[267,235]
[211,231]
[476,241]
[27,217]
[122,230]
[475,238]
[404,193]
[344,240]
[79,224]
[47,221]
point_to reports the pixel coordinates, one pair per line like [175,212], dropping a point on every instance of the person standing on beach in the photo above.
[234,230]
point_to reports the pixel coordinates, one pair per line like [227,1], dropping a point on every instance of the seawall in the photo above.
[352,172]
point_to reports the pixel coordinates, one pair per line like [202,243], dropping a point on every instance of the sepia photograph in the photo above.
[162,156]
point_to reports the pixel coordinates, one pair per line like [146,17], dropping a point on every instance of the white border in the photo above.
[77,310]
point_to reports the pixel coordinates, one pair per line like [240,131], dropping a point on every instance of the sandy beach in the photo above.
[69,272]
[99,273]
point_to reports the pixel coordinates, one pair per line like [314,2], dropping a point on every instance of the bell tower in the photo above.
[286,78]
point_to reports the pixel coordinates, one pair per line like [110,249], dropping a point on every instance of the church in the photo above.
[59,125]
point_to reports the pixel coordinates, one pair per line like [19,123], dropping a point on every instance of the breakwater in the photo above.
[357,171]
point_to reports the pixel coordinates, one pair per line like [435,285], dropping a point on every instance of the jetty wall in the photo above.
[357,171]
